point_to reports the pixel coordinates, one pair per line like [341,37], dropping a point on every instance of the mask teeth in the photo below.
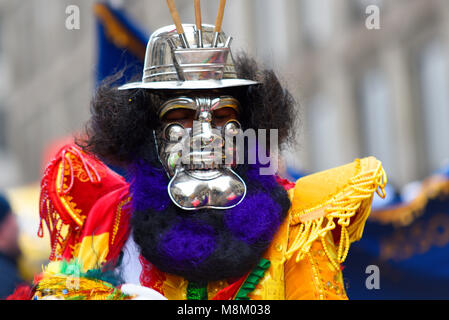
[203,166]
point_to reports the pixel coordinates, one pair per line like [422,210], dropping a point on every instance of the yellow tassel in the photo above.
[354,200]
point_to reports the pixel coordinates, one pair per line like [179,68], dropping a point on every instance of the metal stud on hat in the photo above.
[189,56]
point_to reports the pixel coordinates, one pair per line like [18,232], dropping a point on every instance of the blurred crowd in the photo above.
[9,249]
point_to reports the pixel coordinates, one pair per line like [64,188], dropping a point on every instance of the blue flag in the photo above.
[121,48]
[121,44]
[407,242]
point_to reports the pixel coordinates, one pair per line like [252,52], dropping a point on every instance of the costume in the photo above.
[303,262]
[184,223]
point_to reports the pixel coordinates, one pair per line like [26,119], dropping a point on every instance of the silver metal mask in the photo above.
[197,158]
[196,59]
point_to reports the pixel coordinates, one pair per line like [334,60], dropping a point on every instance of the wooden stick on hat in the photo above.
[198,22]
[177,21]
[219,21]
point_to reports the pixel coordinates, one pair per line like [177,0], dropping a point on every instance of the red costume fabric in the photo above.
[80,198]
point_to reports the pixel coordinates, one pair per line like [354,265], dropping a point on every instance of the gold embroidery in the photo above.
[404,215]
[62,231]
[66,200]
[331,285]
[78,170]
[417,239]
[118,217]
[316,276]
[76,249]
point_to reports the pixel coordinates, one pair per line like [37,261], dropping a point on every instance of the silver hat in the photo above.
[197,60]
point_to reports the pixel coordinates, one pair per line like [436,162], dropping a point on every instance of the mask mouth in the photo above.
[213,188]
[204,160]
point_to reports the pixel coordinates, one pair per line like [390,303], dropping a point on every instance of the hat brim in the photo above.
[189,85]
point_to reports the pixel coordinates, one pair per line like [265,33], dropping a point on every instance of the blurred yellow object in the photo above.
[35,251]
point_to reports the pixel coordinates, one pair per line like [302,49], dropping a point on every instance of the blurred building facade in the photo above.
[362,92]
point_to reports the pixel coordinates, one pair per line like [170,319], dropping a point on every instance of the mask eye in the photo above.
[180,116]
[231,128]
[174,132]
[224,114]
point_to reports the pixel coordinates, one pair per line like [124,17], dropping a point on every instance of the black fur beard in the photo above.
[231,257]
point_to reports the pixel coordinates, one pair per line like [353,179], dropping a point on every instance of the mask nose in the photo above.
[203,130]
[206,143]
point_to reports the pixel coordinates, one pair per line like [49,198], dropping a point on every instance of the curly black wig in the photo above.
[122,122]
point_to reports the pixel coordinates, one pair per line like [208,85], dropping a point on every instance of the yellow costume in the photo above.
[328,212]
[305,262]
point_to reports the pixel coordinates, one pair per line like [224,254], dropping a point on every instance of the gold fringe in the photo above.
[353,201]
[404,214]
[65,287]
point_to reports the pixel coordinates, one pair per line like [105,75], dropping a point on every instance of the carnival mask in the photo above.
[196,147]
[196,156]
